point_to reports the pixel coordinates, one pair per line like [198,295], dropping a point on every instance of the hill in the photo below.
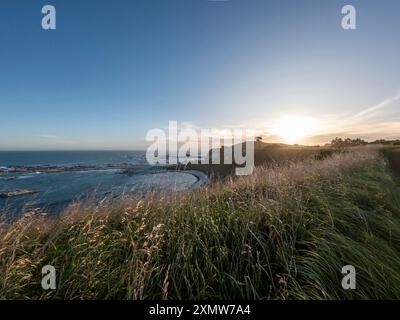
[283,233]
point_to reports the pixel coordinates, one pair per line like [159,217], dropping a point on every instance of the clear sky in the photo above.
[112,70]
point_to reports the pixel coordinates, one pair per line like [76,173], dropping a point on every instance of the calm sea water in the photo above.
[63,158]
[57,190]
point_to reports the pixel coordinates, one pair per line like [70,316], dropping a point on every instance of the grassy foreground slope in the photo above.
[283,233]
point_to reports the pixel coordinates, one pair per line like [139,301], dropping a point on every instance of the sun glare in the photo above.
[293,129]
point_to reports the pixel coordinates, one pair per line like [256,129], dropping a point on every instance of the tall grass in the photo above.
[283,233]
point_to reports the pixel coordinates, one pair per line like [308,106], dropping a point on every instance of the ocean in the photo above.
[95,175]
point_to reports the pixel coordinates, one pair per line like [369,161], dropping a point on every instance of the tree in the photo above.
[340,143]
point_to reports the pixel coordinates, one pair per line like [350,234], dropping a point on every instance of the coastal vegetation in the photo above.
[285,232]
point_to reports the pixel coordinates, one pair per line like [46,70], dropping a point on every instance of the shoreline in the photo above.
[66,168]
[16,191]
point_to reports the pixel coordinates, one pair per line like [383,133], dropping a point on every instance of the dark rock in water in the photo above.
[16,193]
[130,172]
[58,169]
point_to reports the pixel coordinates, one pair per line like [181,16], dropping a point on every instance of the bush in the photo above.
[323,154]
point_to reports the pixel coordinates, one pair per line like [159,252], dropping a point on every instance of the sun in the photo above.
[294,129]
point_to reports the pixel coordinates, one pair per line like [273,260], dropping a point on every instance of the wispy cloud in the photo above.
[48,136]
[372,110]
[364,124]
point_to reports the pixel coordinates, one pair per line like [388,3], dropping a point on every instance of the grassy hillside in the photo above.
[264,154]
[393,156]
[283,233]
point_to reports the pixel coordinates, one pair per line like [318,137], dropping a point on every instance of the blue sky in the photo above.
[112,70]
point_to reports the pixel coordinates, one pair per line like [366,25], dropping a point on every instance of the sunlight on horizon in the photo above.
[293,129]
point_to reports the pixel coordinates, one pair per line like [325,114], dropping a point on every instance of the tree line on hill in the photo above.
[340,143]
